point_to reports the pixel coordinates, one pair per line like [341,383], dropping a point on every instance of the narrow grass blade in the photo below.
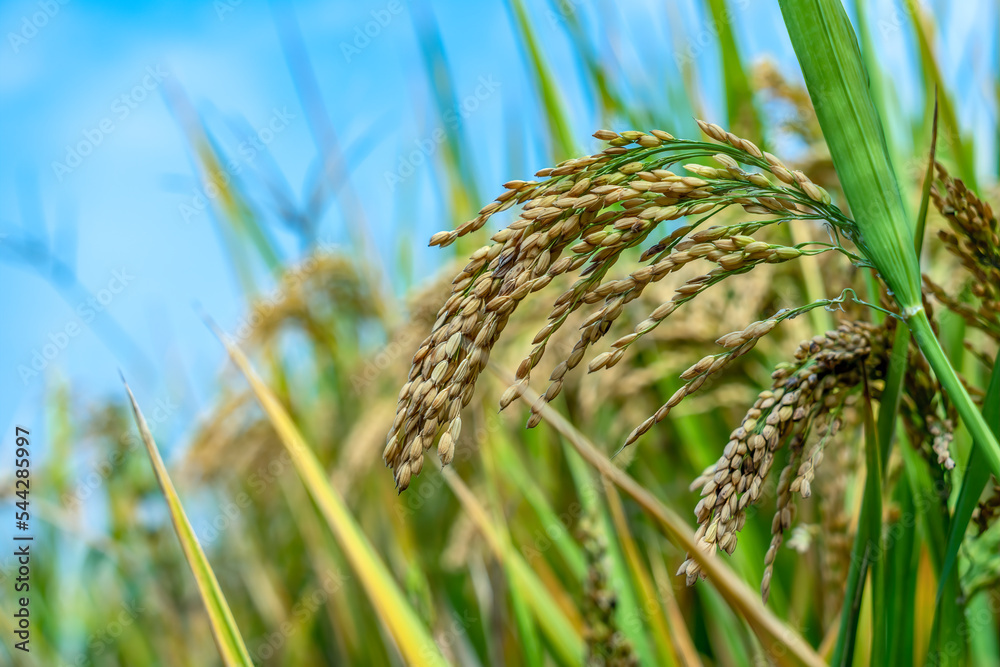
[555,113]
[882,87]
[888,410]
[740,110]
[532,654]
[977,474]
[565,640]
[925,193]
[784,645]
[456,149]
[513,467]
[940,629]
[231,204]
[641,580]
[962,153]
[400,619]
[873,516]
[901,577]
[627,608]
[227,636]
[610,100]
[728,637]
[866,552]
[687,654]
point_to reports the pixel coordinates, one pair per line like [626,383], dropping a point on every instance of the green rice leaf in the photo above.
[865,554]
[835,75]
[555,113]
[566,642]
[741,113]
[232,649]
[394,610]
[977,474]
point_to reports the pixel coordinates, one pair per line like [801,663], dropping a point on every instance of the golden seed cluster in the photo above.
[606,643]
[929,420]
[801,407]
[987,511]
[835,527]
[974,239]
[582,217]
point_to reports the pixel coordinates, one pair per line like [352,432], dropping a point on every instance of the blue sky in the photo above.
[97,72]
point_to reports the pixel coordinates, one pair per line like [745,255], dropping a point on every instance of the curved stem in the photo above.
[920,327]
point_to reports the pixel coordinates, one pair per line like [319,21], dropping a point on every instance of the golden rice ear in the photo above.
[974,239]
[808,394]
[605,639]
[584,216]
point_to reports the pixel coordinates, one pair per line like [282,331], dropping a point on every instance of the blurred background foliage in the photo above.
[523,556]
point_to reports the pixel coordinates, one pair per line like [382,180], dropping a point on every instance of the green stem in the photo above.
[866,554]
[920,327]
[893,392]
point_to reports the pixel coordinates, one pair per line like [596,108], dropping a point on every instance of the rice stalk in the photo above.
[784,645]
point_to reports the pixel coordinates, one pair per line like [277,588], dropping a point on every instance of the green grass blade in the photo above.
[680,637]
[865,554]
[610,102]
[642,580]
[977,474]
[873,464]
[456,149]
[882,87]
[933,509]
[513,467]
[627,607]
[566,642]
[555,114]
[532,654]
[740,110]
[901,578]
[412,637]
[962,153]
[893,392]
[925,193]
[232,649]
[835,75]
